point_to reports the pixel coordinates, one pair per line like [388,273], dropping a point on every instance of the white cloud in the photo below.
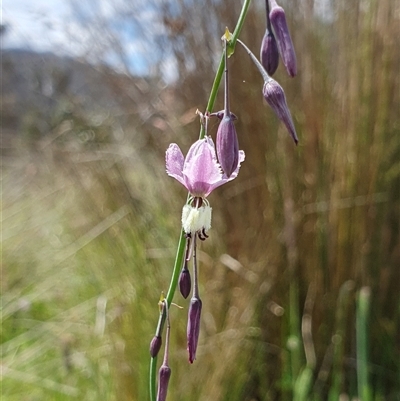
[35,24]
[71,27]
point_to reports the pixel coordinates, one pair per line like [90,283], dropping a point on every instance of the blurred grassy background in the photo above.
[300,276]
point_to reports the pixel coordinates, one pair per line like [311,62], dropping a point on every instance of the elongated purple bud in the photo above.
[163,379]
[155,346]
[227,145]
[269,53]
[193,327]
[185,282]
[275,97]
[282,34]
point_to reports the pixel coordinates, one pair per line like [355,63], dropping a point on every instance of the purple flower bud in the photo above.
[163,379]
[155,346]
[269,53]
[285,44]
[185,283]
[275,97]
[227,145]
[193,327]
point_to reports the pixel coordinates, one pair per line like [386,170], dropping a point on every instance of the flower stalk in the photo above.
[182,238]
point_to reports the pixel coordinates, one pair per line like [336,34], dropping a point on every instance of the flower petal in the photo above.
[174,161]
[224,179]
[201,169]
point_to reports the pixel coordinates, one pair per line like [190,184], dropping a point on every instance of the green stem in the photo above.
[362,314]
[221,66]
[168,300]
[182,240]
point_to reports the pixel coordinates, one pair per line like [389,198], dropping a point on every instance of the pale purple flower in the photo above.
[199,172]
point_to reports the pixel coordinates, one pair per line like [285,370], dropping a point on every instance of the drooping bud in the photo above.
[185,283]
[227,145]
[155,346]
[193,327]
[269,53]
[285,44]
[275,97]
[227,141]
[163,379]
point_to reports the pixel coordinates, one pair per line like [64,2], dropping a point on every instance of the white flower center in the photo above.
[196,219]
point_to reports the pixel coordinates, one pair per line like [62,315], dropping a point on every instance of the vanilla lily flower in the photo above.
[200,173]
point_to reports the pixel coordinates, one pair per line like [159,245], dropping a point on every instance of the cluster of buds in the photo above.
[277,41]
[272,91]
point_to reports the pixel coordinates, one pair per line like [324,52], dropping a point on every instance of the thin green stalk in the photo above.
[182,239]
[168,300]
[363,304]
[339,343]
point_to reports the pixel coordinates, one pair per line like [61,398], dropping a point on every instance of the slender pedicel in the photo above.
[193,325]
[195,271]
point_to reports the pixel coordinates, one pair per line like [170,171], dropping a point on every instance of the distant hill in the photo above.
[44,84]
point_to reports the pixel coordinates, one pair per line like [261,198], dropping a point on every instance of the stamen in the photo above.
[202,234]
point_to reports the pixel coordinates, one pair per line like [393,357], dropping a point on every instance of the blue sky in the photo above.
[35,25]
[64,27]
